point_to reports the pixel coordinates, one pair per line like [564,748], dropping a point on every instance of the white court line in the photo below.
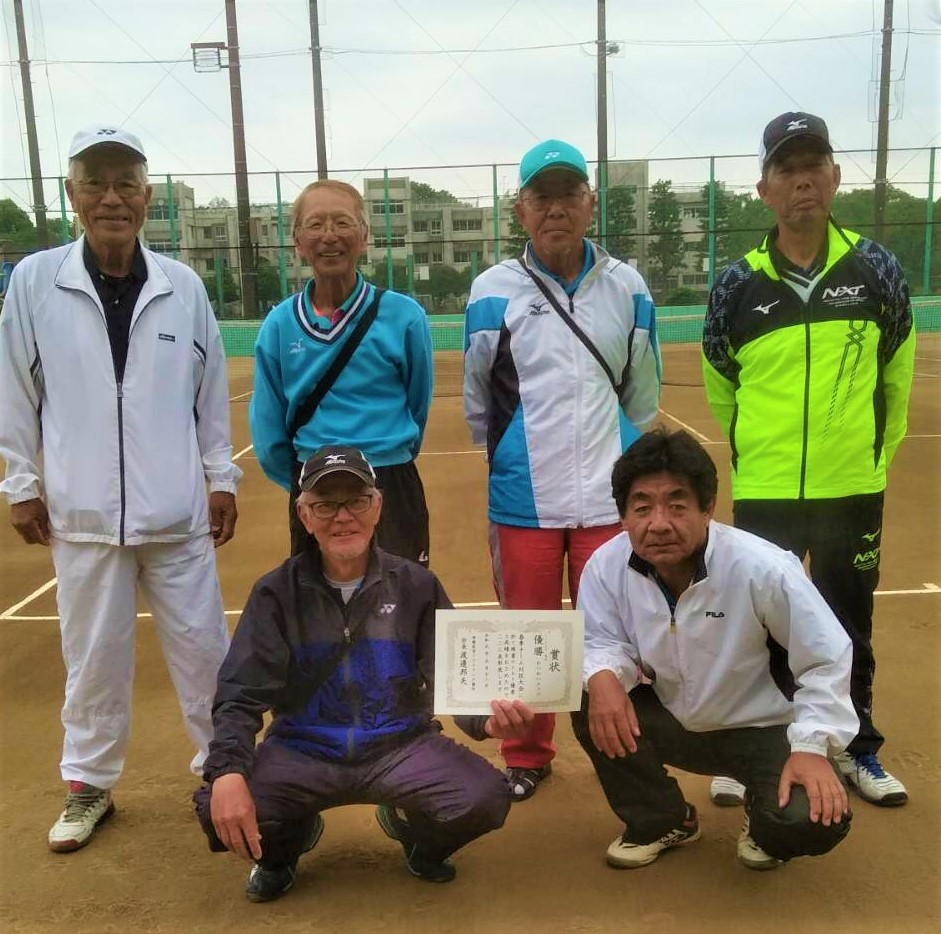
[241,395]
[689,428]
[11,613]
[926,589]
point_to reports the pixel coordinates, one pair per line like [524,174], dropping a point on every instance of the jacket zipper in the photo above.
[806,427]
[121,459]
[347,681]
[579,514]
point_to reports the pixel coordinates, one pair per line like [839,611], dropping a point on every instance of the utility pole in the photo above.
[318,91]
[246,255]
[39,199]
[882,136]
[602,126]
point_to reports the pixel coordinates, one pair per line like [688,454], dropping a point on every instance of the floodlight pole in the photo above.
[602,128]
[39,199]
[318,91]
[246,254]
[882,135]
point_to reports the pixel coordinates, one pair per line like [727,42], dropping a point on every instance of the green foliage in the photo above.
[267,284]
[665,251]
[621,218]
[685,296]
[741,221]
[427,195]
[516,243]
[17,233]
[230,289]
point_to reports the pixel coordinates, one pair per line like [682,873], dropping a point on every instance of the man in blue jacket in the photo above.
[338,642]
[379,398]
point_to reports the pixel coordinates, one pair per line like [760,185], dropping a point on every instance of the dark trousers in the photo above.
[843,538]
[449,794]
[650,801]
[403,523]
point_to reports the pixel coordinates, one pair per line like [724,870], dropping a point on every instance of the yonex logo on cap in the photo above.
[107,132]
[551,155]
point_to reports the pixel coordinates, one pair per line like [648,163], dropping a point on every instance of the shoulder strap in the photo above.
[575,329]
[305,411]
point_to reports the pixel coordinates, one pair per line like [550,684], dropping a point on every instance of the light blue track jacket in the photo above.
[541,402]
[379,402]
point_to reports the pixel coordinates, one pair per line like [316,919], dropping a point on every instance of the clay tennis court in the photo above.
[148,869]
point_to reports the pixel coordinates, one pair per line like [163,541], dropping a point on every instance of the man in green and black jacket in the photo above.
[808,353]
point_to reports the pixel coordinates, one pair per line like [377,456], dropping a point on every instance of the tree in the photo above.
[741,221]
[17,233]
[428,195]
[621,218]
[665,252]
[218,202]
[230,289]
[516,242]
[267,284]
[444,281]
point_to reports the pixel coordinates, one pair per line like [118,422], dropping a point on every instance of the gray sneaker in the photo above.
[85,808]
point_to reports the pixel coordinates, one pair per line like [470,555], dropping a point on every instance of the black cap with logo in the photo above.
[332,459]
[790,126]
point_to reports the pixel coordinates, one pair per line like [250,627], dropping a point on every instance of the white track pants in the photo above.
[97,608]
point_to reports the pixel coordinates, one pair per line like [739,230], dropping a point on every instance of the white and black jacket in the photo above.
[116,463]
[708,656]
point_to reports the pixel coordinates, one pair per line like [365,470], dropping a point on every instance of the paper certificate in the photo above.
[531,655]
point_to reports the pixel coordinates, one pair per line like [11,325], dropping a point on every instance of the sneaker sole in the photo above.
[894,800]
[760,865]
[725,800]
[70,846]
[638,864]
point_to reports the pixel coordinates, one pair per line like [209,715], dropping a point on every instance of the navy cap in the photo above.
[332,459]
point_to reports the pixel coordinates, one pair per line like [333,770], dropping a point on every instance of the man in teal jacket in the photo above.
[808,353]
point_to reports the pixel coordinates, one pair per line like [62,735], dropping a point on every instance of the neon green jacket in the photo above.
[810,380]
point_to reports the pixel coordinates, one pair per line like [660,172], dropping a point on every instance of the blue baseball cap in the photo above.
[552,154]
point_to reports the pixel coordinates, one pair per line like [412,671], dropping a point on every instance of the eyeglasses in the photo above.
[124,187]
[317,226]
[542,201]
[327,509]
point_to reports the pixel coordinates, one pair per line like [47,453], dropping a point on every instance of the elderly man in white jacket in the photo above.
[113,418]
[678,613]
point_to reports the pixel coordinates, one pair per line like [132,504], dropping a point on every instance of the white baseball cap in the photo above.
[100,134]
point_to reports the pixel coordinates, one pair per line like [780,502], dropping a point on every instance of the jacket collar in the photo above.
[311,566]
[72,274]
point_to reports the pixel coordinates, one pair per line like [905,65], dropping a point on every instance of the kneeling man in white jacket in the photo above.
[678,613]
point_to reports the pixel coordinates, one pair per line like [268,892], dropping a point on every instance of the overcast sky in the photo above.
[449,82]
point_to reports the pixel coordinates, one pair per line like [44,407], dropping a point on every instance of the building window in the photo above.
[160,246]
[466,223]
[395,207]
[463,256]
[693,246]
[380,242]
[158,212]
[219,230]
[420,226]
[421,259]
[698,279]
[210,265]
[437,257]
[207,233]
[436,226]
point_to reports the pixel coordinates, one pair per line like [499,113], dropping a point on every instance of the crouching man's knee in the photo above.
[786,833]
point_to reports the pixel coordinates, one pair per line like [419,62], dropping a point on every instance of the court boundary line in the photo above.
[927,588]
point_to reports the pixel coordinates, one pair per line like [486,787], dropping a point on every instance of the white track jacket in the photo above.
[708,660]
[541,402]
[117,464]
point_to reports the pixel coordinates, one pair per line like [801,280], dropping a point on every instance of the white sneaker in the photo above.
[85,808]
[872,782]
[752,855]
[625,855]
[726,792]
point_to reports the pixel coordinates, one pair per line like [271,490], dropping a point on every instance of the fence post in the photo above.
[496,219]
[711,277]
[282,259]
[64,233]
[171,214]
[220,291]
[929,221]
[389,278]
[603,204]
[410,272]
